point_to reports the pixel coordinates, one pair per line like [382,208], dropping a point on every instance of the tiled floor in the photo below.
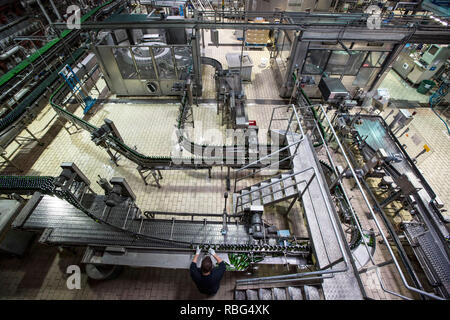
[41,275]
[262,86]
[426,128]
[400,89]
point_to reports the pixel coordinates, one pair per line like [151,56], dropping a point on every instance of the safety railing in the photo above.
[327,271]
[372,213]
[294,113]
[308,182]
[263,159]
[295,277]
[276,153]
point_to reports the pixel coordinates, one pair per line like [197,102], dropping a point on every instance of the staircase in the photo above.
[202,5]
[273,190]
[279,293]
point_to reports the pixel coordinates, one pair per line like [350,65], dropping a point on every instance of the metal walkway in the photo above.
[328,241]
[279,188]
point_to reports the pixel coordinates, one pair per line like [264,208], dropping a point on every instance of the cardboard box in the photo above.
[255,33]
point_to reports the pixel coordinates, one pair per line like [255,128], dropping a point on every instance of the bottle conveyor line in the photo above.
[426,236]
[126,218]
[230,156]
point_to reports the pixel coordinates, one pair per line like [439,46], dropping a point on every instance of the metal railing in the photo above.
[295,277]
[308,182]
[296,143]
[326,270]
[297,117]
[236,180]
[344,258]
[372,213]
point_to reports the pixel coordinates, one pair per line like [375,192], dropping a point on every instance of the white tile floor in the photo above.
[400,89]
[192,191]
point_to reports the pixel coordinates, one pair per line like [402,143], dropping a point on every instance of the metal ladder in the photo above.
[76,86]
[279,293]
[276,189]
[202,5]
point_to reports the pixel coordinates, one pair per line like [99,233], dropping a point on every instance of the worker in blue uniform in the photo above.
[207,279]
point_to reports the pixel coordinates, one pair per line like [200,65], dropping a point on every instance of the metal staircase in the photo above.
[279,293]
[276,189]
[282,186]
[202,5]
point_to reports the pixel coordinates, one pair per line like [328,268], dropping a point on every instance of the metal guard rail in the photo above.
[355,177]
[281,189]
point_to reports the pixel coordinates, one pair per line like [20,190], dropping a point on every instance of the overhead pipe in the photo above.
[55,10]
[44,11]
[11,52]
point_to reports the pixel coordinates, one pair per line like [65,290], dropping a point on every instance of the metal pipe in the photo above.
[44,11]
[55,10]
[286,276]
[366,200]
[10,52]
[243,281]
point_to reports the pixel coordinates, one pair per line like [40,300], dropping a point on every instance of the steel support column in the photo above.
[298,55]
[196,54]
[387,65]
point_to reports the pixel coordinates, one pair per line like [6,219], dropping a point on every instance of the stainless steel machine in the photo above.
[403,65]
[147,62]
[430,62]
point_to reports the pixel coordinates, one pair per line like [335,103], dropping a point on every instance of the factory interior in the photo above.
[304,142]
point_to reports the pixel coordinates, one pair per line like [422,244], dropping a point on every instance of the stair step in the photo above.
[266,193]
[256,196]
[289,185]
[276,188]
[265,294]
[312,293]
[251,294]
[279,294]
[295,293]
[239,295]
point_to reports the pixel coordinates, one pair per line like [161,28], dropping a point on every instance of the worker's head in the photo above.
[206,265]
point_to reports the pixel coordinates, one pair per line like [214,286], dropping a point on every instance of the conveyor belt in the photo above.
[124,218]
[17,113]
[437,259]
[233,156]
[72,227]
[376,134]
[431,248]
[27,102]
[37,55]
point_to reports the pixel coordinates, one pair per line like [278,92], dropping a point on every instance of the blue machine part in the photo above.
[75,85]
[438,7]
[283,233]
[282,236]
